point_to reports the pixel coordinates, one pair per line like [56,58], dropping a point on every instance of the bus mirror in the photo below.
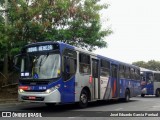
[17,62]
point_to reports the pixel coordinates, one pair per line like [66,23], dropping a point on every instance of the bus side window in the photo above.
[121,71]
[149,76]
[157,77]
[84,63]
[127,73]
[132,73]
[114,71]
[69,63]
[137,74]
[69,67]
[105,67]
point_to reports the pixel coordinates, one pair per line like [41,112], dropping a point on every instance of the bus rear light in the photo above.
[90,79]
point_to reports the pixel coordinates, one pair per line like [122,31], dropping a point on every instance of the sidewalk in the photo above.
[4,102]
[8,101]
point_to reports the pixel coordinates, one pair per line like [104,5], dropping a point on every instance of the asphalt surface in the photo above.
[95,110]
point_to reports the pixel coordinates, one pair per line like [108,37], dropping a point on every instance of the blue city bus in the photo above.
[150,82]
[58,73]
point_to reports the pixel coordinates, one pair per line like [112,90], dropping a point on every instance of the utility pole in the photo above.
[5,67]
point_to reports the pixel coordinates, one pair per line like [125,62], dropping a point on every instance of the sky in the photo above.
[136,30]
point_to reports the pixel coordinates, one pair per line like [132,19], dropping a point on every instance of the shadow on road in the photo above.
[70,107]
[69,110]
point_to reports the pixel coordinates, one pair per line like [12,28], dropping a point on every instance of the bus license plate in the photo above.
[32,97]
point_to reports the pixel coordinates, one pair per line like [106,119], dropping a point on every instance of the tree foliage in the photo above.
[152,64]
[76,22]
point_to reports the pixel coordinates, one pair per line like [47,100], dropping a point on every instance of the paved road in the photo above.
[149,103]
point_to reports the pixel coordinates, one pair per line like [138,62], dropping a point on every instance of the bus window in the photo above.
[157,77]
[84,63]
[149,77]
[105,66]
[69,63]
[137,75]
[127,73]
[121,71]
[132,73]
[114,71]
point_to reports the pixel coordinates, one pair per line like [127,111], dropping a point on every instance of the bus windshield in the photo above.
[40,66]
[149,77]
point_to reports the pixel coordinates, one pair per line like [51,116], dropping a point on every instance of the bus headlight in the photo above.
[21,90]
[52,89]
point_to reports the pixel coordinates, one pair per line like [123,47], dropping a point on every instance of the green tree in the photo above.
[76,22]
[152,64]
[140,64]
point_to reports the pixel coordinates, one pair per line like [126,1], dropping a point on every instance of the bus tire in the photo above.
[83,100]
[127,96]
[142,95]
[157,93]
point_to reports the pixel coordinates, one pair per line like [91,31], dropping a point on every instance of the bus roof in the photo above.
[148,70]
[82,50]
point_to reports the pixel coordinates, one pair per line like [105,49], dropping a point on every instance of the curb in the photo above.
[8,101]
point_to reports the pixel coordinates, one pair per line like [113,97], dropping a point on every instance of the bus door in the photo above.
[149,81]
[96,79]
[69,66]
[114,80]
[143,79]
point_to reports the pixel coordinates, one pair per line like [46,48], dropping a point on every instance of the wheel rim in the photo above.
[84,98]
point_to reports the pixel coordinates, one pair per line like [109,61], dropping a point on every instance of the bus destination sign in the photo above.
[40,48]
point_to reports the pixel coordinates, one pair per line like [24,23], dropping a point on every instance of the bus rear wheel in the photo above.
[157,93]
[83,102]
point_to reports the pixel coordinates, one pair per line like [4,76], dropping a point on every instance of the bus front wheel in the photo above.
[157,93]
[83,102]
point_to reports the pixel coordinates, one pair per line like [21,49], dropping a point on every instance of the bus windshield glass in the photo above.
[149,77]
[40,66]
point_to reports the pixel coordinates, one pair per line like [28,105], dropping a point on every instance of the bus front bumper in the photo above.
[53,97]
